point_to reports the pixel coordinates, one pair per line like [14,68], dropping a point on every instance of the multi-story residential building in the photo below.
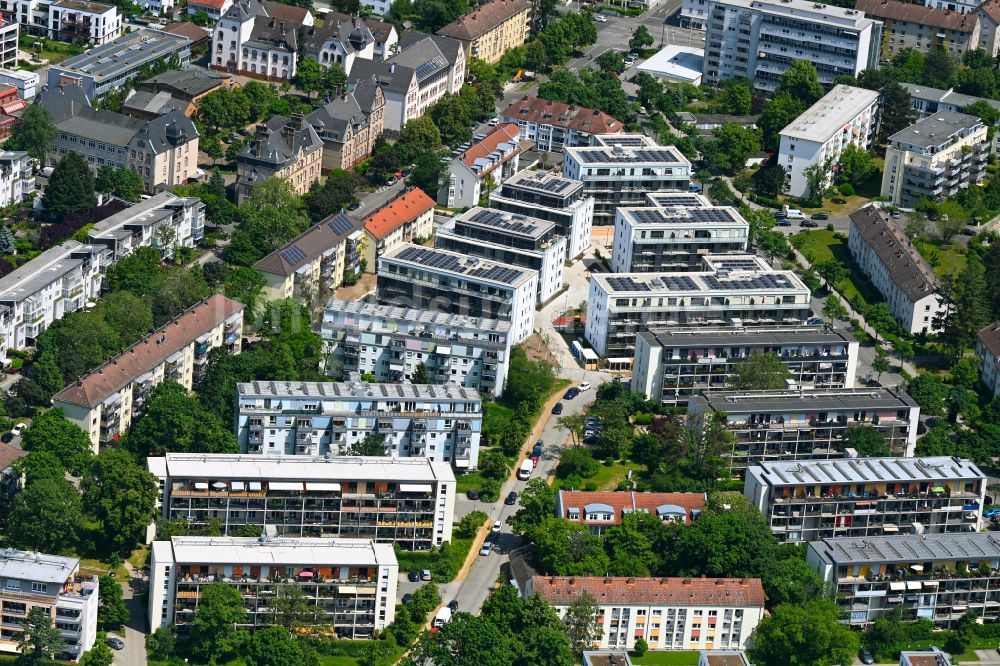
[108,66]
[618,171]
[389,344]
[903,277]
[554,126]
[808,500]
[807,424]
[928,101]
[430,279]
[602,510]
[668,613]
[758,40]
[548,196]
[191,84]
[347,130]
[674,239]
[282,147]
[17,178]
[54,584]
[492,29]
[922,28]
[25,82]
[104,401]
[9,32]
[406,218]
[476,170]
[845,116]
[214,9]
[988,353]
[988,14]
[735,290]
[409,501]
[259,39]
[508,238]
[339,42]
[93,23]
[673,364]
[314,263]
[386,37]
[163,151]
[935,157]
[940,577]
[442,423]
[451,49]
[351,581]
[164,222]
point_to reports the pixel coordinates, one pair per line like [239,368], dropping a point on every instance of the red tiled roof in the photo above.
[211,4]
[189,30]
[481,20]
[13,107]
[8,454]
[919,14]
[992,9]
[559,114]
[506,133]
[287,13]
[405,208]
[621,500]
[741,592]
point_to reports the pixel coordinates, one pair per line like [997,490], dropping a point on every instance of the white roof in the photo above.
[676,63]
[830,114]
[857,470]
[38,567]
[284,551]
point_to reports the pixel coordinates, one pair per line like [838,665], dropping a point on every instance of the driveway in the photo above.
[134,634]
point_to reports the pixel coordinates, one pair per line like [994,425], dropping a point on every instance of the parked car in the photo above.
[472,494]
[895,214]
[354,206]
[808,224]
[600,19]
[497,526]
[414,576]
[407,598]
[784,223]
[819,216]
[585,386]
[425,574]
[453,605]
[7,437]
[989,513]
[494,122]
[511,499]
[19,428]
[969,231]
[487,547]
[114,643]
[571,393]
[392,181]
[866,657]
[557,408]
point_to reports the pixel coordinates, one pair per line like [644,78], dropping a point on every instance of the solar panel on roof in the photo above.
[627,284]
[293,254]
[437,62]
[341,224]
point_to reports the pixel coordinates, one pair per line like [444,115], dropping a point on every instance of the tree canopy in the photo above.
[71,187]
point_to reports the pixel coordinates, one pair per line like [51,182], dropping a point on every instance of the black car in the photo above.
[407,598]
[453,605]
[557,408]
[114,643]
[784,223]
[7,437]
[511,499]
[571,393]
[472,494]
[808,224]
[968,231]
[819,216]
[354,206]
[414,576]
[867,657]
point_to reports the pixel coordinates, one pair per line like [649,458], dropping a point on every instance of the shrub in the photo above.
[470,524]
[846,189]
[642,419]
[765,201]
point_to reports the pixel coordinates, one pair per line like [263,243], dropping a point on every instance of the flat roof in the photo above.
[675,199]
[454,263]
[676,63]
[39,567]
[727,273]
[935,130]
[808,11]
[512,224]
[147,212]
[659,216]
[905,548]
[725,658]
[283,551]
[831,113]
[359,390]
[123,54]
[746,336]
[543,182]
[348,468]
[626,149]
[354,310]
[41,271]
[861,470]
[805,400]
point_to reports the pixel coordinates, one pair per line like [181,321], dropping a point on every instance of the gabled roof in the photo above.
[193,81]
[308,245]
[424,57]
[287,13]
[280,141]
[484,18]
[919,14]
[188,29]
[906,268]
[273,33]
[451,48]
[990,337]
[622,502]
[992,9]
[368,94]
[351,34]
[499,146]
[388,75]
[334,118]
[405,208]
[559,114]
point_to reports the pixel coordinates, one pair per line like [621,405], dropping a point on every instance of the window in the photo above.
[39,587]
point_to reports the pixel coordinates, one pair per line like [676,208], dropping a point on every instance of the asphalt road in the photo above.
[134,653]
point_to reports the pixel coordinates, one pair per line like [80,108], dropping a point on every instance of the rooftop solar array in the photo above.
[627,284]
[453,263]
[736,264]
[292,254]
[610,156]
[544,182]
[515,224]
[429,67]
[675,283]
[695,282]
[762,281]
[628,141]
[675,199]
[341,224]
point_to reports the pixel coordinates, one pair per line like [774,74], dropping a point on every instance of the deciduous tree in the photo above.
[581,623]
[112,612]
[54,433]
[214,633]
[40,640]
[34,132]
[760,372]
[45,516]
[122,496]
[372,445]
[810,634]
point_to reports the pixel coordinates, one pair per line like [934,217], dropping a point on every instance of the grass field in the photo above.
[944,260]
[667,658]
[608,476]
[819,245]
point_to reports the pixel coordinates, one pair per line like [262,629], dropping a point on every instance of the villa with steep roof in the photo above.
[347,128]
[282,147]
[259,39]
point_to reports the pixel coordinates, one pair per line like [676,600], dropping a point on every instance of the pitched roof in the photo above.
[919,14]
[561,590]
[8,454]
[154,102]
[450,47]
[547,112]
[992,9]
[481,20]
[92,389]
[308,245]
[333,119]
[628,501]
[380,29]
[405,208]
[350,33]
[211,4]
[392,78]
[424,57]
[193,81]
[497,147]
[188,29]
[906,268]
[990,337]
[280,141]
[283,12]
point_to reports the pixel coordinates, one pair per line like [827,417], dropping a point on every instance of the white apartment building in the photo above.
[988,353]
[737,290]
[9,32]
[758,40]
[17,178]
[491,160]
[548,196]
[25,82]
[508,238]
[927,101]
[339,41]
[93,23]
[845,116]
[407,501]
[668,613]
[104,402]
[618,170]
[903,277]
[36,580]
[389,343]
[164,222]
[674,239]
[442,423]
[352,581]
[808,500]
[432,279]
[258,39]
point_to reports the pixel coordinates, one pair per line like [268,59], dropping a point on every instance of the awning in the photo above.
[670,510]
[331,487]
[201,485]
[598,507]
[415,487]
[959,608]
[238,486]
[305,574]
[897,586]
[346,589]
[937,489]
[366,590]
[255,486]
[219,485]
[285,485]
[913,584]
[917,567]
[462,462]
[930,583]
[890,528]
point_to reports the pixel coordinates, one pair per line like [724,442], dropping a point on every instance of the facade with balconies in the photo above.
[442,423]
[164,222]
[809,500]
[351,582]
[17,177]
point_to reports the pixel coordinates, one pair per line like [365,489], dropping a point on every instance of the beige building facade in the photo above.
[283,147]
[493,29]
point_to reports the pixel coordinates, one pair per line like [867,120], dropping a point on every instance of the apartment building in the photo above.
[491,29]
[845,116]
[735,290]
[928,101]
[405,218]
[25,82]
[668,613]
[508,238]
[163,151]
[903,277]
[922,28]
[673,364]
[54,584]
[339,41]
[9,32]
[600,511]
[259,39]
[432,279]
[475,170]
[347,130]
[618,171]
[758,40]
[389,343]
[351,581]
[104,401]
[988,14]
[17,177]
[934,576]
[809,500]
[77,21]
[107,67]
[163,222]
[408,501]
[554,126]
[934,158]
[988,353]
[282,147]
[442,423]
[214,9]
[674,239]
[807,424]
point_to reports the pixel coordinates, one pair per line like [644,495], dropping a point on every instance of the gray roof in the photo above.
[908,270]
[124,54]
[908,548]
[193,81]
[512,224]
[154,102]
[332,120]
[946,96]
[280,143]
[359,390]
[544,182]
[805,400]
[38,273]
[424,57]
[38,567]
[450,48]
[862,470]
[935,129]
[309,245]
[366,94]
[744,336]
[271,33]
[444,262]
[352,34]
[392,78]
[395,313]
[147,212]
[989,335]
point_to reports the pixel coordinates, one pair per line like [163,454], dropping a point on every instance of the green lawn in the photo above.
[608,476]
[819,245]
[667,658]
[944,260]
[468,481]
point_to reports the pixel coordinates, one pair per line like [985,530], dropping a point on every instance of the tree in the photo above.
[293,610]
[965,372]
[7,242]
[801,81]
[493,465]
[421,375]
[372,445]
[880,363]
[466,639]
[216,183]
[176,422]
[777,115]
[245,285]
[810,634]
[40,640]
[122,496]
[309,76]
[734,143]
[895,109]
[274,646]
[123,183]
[855,165]
[760,372]
[816,176]
[641,39]
[39,465]
[45,516]
[966,308]
[538,502]
[834,308]
[417,137]
[428,171]
[574,424]
[99,655]
[335,194]
[568,549]
[34,133]
[769,180]
[939,67]
[928,391]
[866,440]
[879,317]
[112,612]
[214,635]
[53,433]
[790,579]
[271,217]
[71,187]
[629,546]
[581,624]
[577,462]
[127,314]
[735,98]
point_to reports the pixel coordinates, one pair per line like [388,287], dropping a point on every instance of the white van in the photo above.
[524,471]
[442,618]
[794,214]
